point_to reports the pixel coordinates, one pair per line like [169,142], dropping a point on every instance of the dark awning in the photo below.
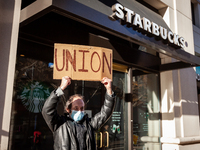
[96,14]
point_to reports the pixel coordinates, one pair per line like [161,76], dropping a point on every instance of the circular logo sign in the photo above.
[34,96]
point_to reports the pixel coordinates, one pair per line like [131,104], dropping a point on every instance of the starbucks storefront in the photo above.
[138,50]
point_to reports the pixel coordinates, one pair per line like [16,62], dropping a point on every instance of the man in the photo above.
[75,131]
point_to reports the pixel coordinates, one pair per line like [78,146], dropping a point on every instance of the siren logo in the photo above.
[34,96]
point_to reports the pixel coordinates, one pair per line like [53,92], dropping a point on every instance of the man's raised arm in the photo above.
[106,110]
[49,109]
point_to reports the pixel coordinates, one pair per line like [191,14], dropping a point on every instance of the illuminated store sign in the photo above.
[144,25]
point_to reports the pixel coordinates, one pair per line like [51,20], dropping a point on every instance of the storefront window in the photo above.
[145,105]
[34,83]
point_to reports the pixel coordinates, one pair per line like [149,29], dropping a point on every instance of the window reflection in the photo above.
[145,104]
[115,125]
[33,84]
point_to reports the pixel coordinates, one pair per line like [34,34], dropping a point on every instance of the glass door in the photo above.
[146,110]
[111,134]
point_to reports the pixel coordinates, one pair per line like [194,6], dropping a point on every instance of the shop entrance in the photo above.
[111,134]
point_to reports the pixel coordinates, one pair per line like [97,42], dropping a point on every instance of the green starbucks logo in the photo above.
[34,96]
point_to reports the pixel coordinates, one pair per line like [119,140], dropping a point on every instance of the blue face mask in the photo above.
[77,115]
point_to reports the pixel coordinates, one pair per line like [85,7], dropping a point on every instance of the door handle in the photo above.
[100,140]
[107,138]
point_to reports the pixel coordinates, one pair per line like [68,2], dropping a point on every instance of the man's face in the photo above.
[77,104]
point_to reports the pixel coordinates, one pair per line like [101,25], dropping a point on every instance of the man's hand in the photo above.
[65,82]
[108,85]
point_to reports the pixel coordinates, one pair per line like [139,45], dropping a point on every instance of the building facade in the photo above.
[155,49]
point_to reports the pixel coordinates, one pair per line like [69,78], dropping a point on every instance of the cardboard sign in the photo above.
[82,62]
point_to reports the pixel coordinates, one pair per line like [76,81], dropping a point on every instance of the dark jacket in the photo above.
[62,126]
